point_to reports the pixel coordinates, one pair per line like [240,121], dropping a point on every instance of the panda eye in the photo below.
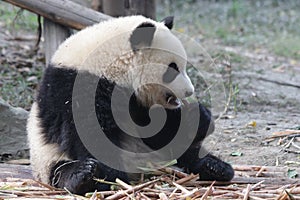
[174,66]
[171,73]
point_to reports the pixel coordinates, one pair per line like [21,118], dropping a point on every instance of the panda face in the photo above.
[163,83]
[162,67]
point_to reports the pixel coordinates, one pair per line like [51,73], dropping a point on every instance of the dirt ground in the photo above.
[269,97]
[266,97]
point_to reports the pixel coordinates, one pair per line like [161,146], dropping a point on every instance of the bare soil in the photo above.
[268,101]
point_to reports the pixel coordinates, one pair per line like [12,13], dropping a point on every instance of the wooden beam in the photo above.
[64,12]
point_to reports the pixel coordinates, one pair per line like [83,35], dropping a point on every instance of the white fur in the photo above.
[181,85]
[42,155]
[104,50]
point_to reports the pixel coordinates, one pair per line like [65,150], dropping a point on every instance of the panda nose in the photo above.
[188,93]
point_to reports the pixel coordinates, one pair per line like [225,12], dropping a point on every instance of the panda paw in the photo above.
[212,168]
[77,176]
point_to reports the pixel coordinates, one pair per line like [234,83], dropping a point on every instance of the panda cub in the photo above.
[141,60]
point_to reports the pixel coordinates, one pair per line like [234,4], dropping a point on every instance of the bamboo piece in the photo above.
[247,192]
[208,192]
[187,178]
[123,193]
[172,171]
[248,186]
[260,171]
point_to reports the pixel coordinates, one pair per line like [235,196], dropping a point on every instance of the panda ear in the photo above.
[142,36]
[168,22]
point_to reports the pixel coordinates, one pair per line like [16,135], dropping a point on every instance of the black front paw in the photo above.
[212,168]
[76,176]
[82,179]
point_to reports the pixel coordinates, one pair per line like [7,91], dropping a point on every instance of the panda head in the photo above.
[132,51]
[159,73]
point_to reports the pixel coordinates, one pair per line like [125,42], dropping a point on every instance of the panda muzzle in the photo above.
[173,100]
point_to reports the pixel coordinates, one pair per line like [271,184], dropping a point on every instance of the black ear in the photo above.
[168,21]
[142,36]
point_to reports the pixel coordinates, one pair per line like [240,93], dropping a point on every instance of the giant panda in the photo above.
[133,55]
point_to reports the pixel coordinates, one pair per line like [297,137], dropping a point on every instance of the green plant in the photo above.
[235,93]
[233,11]
[287,46]
[15,18]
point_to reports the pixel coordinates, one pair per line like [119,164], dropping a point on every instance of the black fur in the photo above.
[55,111]
[142,36]
[168,21]
[171,73]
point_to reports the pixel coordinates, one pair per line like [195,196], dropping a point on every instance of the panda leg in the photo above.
[212,168]
[208,166]
[77,176]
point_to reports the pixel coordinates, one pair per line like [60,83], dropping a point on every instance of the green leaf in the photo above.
[236,153]
[292,173]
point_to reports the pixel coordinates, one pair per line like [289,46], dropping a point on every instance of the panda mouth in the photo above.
[172,100]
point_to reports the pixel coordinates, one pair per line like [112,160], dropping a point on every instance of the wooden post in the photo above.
[142,7]
[54,35]
[113,8]
[97,5]
[118,8]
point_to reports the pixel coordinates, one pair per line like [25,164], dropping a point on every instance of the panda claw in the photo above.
[212,168]
[77,177]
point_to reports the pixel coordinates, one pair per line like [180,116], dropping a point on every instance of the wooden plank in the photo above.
[15,171]
[64,12]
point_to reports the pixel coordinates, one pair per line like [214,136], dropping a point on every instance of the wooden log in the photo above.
[64,12]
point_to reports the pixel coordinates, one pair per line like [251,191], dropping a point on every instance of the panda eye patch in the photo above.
[174,66]
[171,73]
